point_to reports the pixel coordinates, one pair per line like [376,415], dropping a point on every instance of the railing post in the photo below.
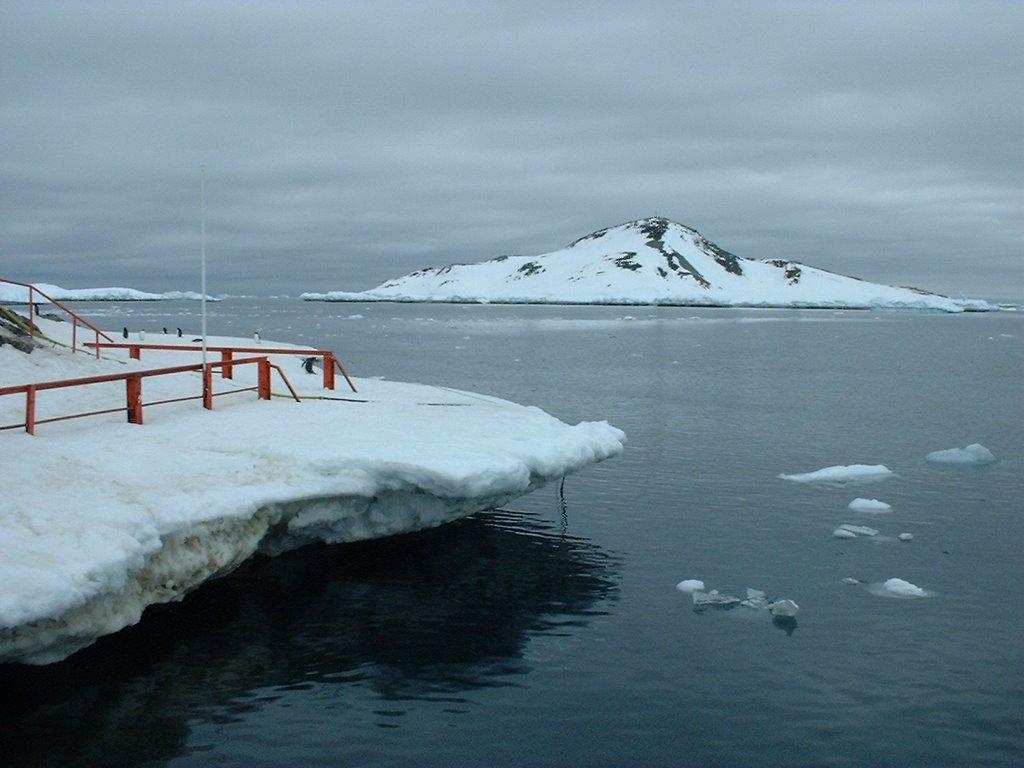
[328,370]
[31,314]
[133,391]
[74,335]
[208,387]
[30,409]
[263,375]
[227,370]
[97,345]
[134,352]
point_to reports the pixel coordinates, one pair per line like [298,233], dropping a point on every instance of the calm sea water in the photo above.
[551,632]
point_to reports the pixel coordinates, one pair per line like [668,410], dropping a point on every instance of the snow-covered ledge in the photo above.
[101,518]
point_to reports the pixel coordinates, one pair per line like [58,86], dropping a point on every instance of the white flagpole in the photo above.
[202,281]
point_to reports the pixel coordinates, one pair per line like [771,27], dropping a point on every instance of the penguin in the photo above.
[256,336]
[124,332]
[179,333]
[165,330]
[307,364]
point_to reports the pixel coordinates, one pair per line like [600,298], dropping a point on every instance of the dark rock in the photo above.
[529,269]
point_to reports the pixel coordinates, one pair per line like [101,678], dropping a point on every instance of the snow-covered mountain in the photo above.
[647,261]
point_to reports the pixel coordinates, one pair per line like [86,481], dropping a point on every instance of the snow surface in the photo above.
[974,454]
[648,261]
[15,294]
[102,518]
[853,473]
[870,506]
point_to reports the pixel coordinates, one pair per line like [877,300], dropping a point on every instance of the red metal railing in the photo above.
[75,319]
[133,390]
[227,356]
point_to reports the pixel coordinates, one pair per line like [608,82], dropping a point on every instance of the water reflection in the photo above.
[786,623]
[431,615]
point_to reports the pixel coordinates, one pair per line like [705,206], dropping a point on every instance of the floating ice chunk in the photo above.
[861,530]
[714,598]
[974,454]
[906,537]
[849,580]
[898,588]
[756,599]
[690,585]
[870,506]
[853,473]
[842,533]
[783,608]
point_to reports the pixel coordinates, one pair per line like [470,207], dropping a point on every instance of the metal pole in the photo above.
[202,224]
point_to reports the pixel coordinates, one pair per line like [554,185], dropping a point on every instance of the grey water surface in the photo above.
[550,632]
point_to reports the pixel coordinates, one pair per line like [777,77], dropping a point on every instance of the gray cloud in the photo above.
[346,143]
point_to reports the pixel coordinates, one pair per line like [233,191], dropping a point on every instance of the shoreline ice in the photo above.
[110,517]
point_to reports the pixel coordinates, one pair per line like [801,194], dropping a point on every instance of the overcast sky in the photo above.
[349,142]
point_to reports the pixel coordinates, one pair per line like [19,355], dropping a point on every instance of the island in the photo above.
[648,262]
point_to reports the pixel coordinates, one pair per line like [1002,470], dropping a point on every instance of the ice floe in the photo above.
[974,454]
[859,530]
[690,585]
[756,599]
[906,537]
[715,599]
[898,588]
[842,533]
[870,506]
[783,608]
[852,473]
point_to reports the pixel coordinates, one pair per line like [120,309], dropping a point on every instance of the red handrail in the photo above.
[226,353]
[133,390]
[75,319]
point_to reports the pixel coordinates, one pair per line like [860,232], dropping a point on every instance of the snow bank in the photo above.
[15,294]
[110,517]
[973,455]
[853,473]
